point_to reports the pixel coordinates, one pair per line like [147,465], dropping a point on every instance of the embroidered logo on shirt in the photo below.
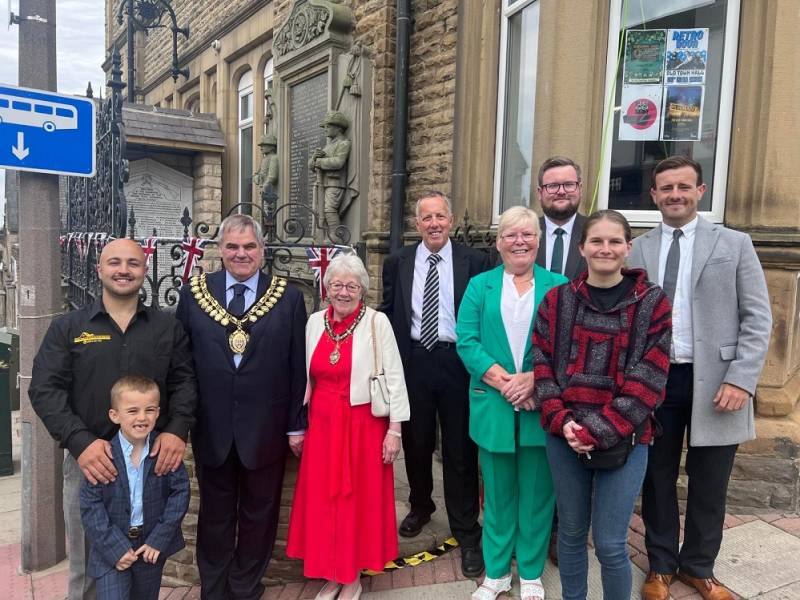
[90,338]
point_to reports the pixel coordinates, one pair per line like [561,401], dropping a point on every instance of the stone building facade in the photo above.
[464,57]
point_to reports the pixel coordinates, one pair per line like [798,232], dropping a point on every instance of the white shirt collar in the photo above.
[567,227]
[251,283]
[688,229]
[446,251]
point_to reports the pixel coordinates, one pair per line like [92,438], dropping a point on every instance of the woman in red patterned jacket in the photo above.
[601,356]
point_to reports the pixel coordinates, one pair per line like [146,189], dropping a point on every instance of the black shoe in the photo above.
[471,561]
[413,523]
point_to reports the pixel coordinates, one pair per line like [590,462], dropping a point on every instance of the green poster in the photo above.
[644,56]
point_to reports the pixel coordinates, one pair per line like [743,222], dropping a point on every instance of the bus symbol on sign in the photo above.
[45,132]
[47,115]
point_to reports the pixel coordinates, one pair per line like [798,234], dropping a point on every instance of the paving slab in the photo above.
[456,589]
[790,592]
[757,558]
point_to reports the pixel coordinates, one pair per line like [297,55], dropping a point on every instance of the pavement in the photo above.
[758,559]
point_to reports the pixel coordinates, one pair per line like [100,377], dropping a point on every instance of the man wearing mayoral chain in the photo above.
[247,331]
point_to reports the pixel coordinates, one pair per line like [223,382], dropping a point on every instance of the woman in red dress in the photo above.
[343,515]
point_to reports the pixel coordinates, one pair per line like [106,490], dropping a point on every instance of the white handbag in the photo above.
[378,389]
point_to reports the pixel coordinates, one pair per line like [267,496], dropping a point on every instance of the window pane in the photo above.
[246,107]
[520,85]
[245,165]
[669,109]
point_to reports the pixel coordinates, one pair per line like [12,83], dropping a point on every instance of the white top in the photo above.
[550,239]
[447,310]
[682,350]
[363,361]
[517,313]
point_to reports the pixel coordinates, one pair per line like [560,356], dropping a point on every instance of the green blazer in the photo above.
[481,343]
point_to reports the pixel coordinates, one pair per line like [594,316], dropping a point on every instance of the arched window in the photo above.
[269,107]
[519,41]
[245,121]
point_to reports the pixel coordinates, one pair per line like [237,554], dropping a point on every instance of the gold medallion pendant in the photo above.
[239,338]
[238,341]
[335,355]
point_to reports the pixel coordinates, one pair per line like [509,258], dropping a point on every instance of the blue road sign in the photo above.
[46,132]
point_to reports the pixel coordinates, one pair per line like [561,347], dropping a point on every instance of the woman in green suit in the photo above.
[494,342]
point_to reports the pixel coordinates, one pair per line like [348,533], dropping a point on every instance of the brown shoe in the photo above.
[656,586]
[710,589]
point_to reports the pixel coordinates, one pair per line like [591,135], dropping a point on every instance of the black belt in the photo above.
[134,532]
[436,346]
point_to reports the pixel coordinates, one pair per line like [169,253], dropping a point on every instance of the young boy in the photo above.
[133,523]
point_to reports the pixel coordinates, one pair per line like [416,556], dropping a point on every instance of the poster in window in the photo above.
[687,56]
[640,117]
[644,56]
[683,111]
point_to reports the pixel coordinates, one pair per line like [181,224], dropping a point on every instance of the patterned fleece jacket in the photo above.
[604,370]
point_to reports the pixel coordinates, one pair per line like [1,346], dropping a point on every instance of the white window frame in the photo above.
[507,11]
[245,87]
[651,218]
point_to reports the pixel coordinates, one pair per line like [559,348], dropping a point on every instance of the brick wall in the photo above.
[203,17]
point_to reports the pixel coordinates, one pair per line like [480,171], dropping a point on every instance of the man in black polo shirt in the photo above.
[82,355]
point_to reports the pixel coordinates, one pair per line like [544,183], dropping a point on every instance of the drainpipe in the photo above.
[400,142]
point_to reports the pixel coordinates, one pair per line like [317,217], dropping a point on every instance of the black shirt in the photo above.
[84,353]
[607,298]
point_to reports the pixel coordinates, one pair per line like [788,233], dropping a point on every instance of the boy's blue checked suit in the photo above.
[106,514]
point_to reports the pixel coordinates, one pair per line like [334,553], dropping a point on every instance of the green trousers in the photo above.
[518,510]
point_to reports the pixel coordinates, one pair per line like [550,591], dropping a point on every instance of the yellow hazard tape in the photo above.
[415,559]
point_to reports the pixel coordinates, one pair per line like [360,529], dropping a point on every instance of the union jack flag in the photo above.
[192,251]
[148,247]
[318,260]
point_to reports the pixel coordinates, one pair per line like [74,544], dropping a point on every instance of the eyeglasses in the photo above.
[569,187]
[512,237]
[337,286]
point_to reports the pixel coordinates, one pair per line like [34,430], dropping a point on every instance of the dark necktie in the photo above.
[236,305]
[429,330]
[673,263]
[557,261]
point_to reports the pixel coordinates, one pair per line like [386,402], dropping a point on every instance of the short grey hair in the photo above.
[240,222]
[433,194]
[344,265]
[515,216]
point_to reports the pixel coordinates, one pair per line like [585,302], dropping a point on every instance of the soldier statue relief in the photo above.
[330,166]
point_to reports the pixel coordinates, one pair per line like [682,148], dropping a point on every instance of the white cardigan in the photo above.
[363,361]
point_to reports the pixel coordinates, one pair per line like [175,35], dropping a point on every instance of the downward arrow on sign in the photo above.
[20,151]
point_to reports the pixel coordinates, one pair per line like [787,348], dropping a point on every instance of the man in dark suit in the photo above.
[247,333]
[559,194]
[422,289]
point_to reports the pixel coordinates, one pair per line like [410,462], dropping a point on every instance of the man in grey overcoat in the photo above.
[721,327]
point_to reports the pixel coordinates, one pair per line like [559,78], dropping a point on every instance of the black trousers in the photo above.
[708,468]
[236,527]
[438,384]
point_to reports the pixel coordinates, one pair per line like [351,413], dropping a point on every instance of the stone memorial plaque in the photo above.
[158,194]
[308,103]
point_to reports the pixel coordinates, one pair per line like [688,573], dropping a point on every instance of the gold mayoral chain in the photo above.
[239,338]
[339,337]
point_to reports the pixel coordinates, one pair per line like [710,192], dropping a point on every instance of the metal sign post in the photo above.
[40,295]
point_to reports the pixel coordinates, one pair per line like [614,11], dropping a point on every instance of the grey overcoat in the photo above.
[731,324]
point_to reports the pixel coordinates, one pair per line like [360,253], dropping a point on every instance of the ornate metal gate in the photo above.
[96,206]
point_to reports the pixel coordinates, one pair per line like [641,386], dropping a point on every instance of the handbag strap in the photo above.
[375,370]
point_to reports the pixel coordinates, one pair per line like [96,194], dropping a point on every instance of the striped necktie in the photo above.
[429,330]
